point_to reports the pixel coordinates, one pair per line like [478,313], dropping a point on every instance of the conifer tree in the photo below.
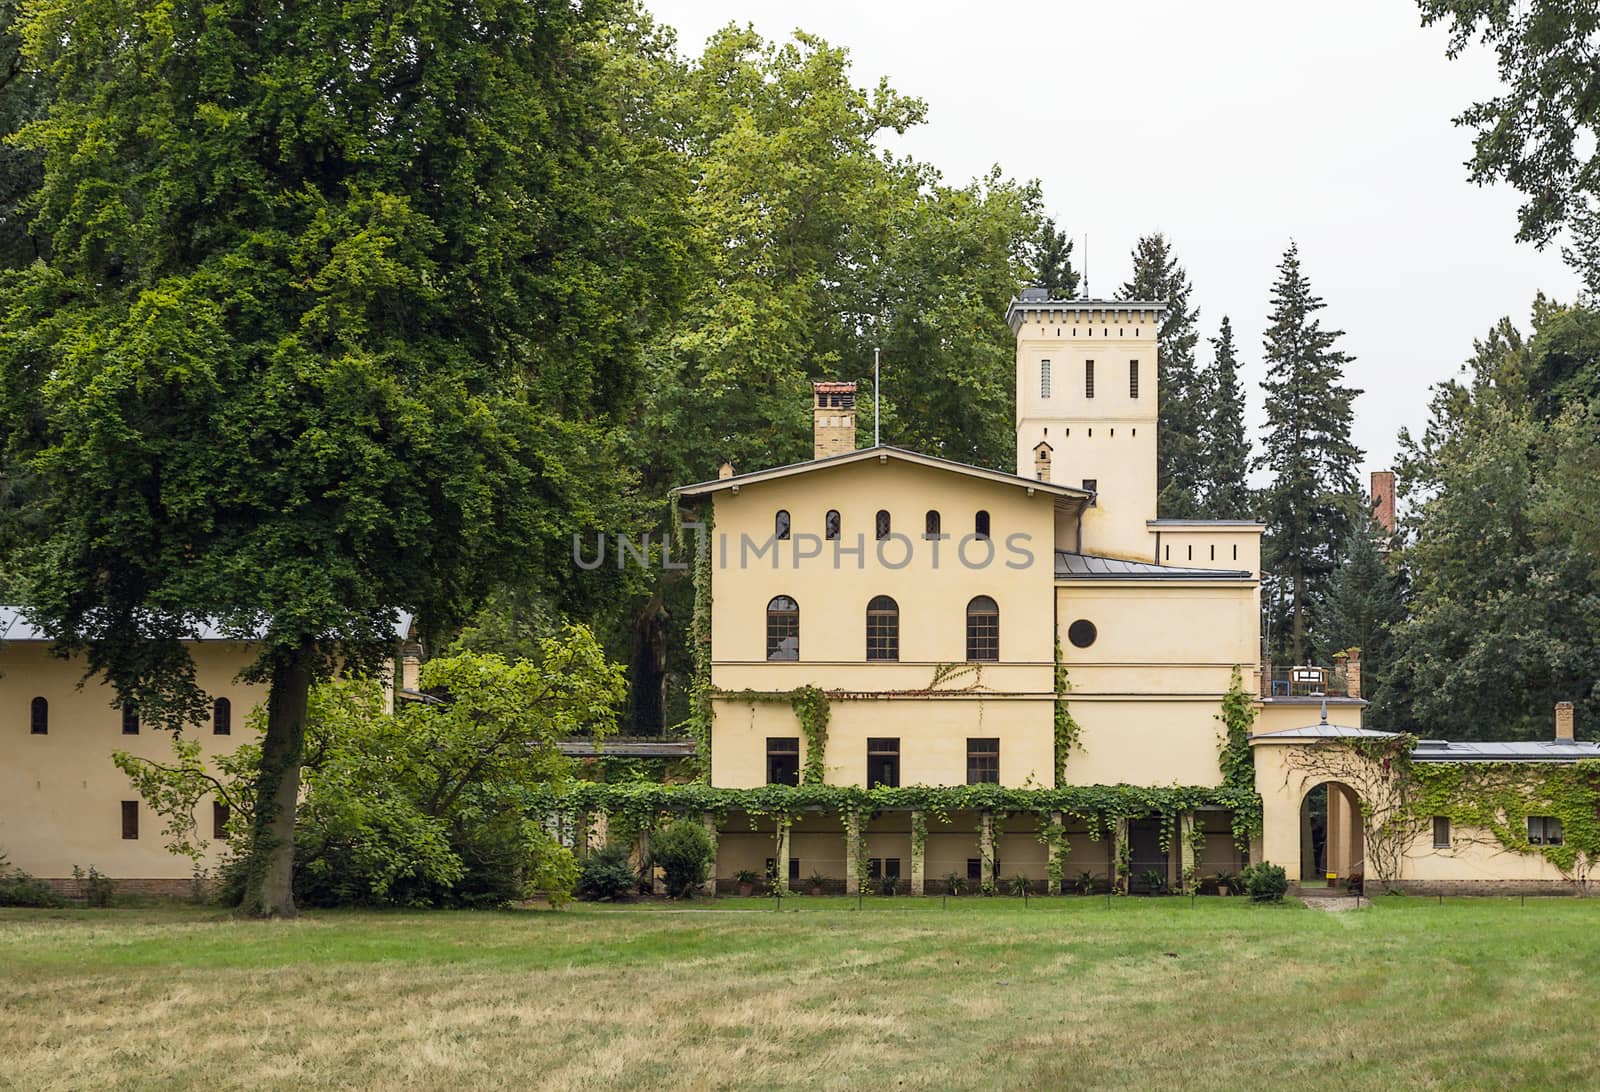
[1365,601]
[1180,460]
[1053,263]
[1308,504]
[1226,448]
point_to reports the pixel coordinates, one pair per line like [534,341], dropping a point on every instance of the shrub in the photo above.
[1265,882]
[95,888]
[683,851]
[1019,885]
[606,875]
[955,883]
[17,888]
[887,885]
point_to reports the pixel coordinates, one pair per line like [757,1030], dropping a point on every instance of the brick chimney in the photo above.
[1564,720]
[833,419]
[1383,500]
[1352,673]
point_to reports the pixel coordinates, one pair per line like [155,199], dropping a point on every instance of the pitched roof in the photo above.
[1324,731]
[1071,566]
[884,453]
[14,626]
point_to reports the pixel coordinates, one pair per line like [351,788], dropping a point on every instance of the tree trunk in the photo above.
[647,681]
[269,878]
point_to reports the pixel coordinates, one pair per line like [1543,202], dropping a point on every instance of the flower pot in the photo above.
[1224,890]
[816,890]
[745,889]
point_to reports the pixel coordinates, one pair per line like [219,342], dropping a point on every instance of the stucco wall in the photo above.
[60,795]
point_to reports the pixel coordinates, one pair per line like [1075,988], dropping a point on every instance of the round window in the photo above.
[1082,633]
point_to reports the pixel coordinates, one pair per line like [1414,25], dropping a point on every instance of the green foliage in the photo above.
[955,883]
[1498,797]
[1236,757]
[1019,884]
[95,888]
[701,712]
[1504,558]
[606,875]
[1265,882]
[1307,450]
[1182,461]
[1066,728]
[811,710]
[1364,602]
[1052,262]
[17,888]
[1226,449]
[683,850]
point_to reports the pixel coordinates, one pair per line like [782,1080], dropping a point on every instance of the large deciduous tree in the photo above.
[1306,447]
[1181,470]
[341,307]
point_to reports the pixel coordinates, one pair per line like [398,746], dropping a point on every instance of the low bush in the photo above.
[17,888]
[95,889]
[684,852]
[1265,882]
[606,875]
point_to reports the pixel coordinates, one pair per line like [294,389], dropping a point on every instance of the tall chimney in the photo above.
[1383,500]
[1352,674]
[833,419]
[1564,720]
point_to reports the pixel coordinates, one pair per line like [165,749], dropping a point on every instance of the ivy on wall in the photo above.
[1067,729]
[1238,714]
[810,707]
[700,688]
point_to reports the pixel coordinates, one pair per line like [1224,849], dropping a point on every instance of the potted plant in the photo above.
[1153,882]
[1019,885]
[1086,883]
[887,884]
[815,881]
[1227,883]
[746,879]
[955,883]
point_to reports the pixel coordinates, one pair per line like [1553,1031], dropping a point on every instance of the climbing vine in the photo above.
[700,689]
[1498,797]
[1067,729]
[810,707]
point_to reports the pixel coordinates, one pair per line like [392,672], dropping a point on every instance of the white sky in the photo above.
[1232,127]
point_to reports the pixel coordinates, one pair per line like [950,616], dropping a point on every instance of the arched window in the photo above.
[983,629]
[780,525]
[783,629]
[830,525]
[883,523]
[883,628]
[222,717]
[980,525]
[39,717]
[931,524]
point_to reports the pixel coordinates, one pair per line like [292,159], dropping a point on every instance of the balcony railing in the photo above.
[1308,681]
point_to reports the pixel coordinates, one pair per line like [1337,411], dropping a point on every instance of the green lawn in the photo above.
[905,994]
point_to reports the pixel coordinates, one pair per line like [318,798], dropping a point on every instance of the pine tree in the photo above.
[1365,601]
[1053,263]
[1307,448]
[1226,447]
[1180,459]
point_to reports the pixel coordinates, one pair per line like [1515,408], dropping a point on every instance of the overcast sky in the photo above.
[1233,128]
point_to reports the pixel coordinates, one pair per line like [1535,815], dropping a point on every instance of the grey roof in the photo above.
[1071,566]
[1202,523]
[1325,731]
[1531,750]
[633,747]
[14,626]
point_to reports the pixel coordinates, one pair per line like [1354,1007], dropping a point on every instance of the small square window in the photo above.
[1544,830]
[983,761]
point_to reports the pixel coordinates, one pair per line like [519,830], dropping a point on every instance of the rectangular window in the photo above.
[1092,485]
[130,721]
[880,867]
[1441,832]
[883,762]
[974,869]
[130,819]
[1133,379]
[1088,379]
[783,760]
[983,761]
[1044,379]
[794,870]
[219,820]
[1544,830]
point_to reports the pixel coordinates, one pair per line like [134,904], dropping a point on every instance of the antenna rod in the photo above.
[875,398]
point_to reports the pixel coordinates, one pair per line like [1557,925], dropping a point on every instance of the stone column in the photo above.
[597,828]
[852,859]
[782,879]
[658,885]
[1187,865]
[1053,846]
[1119,842]
[710,886]
[918,854]
[986,849]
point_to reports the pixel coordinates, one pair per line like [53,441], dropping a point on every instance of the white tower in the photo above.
[1086,387]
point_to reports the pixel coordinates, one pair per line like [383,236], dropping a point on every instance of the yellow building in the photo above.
[63,803]
[929,604]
